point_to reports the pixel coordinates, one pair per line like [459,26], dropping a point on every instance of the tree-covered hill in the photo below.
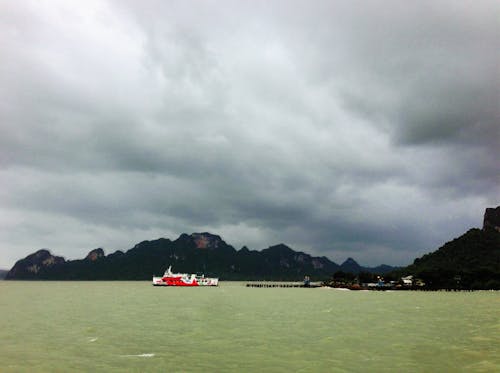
[471,261]
[199,252]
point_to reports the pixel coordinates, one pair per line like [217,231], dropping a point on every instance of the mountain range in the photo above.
[198,252]
[470,261]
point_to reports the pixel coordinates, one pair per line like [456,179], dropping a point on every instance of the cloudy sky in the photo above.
[368,129]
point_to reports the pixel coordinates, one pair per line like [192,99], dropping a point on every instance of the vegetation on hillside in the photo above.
[471,261]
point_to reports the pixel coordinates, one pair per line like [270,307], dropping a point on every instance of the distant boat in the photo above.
[183,279]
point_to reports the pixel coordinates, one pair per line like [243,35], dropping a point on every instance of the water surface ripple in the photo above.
[135,327]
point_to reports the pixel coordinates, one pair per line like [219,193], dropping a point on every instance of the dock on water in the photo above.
[279,285]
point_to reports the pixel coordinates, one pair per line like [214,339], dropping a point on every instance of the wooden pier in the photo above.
[279,285]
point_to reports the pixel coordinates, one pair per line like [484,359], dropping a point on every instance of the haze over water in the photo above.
[135,327]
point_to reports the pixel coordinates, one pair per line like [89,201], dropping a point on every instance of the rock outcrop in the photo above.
[35,265]
[206,240]
[492,219]
[95,254]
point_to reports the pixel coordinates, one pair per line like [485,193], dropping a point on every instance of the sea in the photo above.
[118,326]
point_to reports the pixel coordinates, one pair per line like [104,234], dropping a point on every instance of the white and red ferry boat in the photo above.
[183,279]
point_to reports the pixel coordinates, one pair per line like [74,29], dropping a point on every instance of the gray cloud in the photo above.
[342,129]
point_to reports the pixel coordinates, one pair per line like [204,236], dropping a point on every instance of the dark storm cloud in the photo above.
[339,128]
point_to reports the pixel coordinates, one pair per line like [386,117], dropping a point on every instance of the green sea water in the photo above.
[135,327]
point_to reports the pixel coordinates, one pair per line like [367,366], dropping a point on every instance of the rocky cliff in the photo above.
[35,265]
[95,254]
[492,219]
